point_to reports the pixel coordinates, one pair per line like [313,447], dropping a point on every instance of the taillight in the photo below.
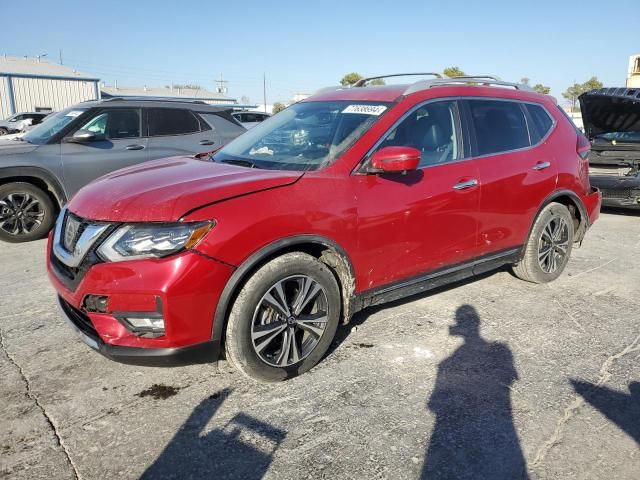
[583,146]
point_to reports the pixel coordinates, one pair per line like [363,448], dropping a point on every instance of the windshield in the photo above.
[620,136]
[305,136]
[52,125]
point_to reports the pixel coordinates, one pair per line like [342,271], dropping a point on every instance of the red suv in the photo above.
[351,198]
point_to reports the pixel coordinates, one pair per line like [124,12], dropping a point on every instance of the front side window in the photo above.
[500,126]
[305,136]
[115,123]
[52,125]
[431,129]
[171,121]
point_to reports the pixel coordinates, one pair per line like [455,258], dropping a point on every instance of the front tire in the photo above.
[549,246]
[284,318]
[26,212]
[3,131]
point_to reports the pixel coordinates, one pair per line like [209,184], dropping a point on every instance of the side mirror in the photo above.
[83,136]
[395,159]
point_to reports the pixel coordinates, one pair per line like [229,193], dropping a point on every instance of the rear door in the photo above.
[118,144]
[177,131]
[516,165]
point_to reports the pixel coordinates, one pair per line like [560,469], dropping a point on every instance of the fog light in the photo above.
[150,325]
[96,303]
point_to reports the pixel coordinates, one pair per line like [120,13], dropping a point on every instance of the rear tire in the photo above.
[270,340]
[549,246]
[26,212]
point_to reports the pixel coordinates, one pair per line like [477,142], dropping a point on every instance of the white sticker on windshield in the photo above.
[365,109]
[74,113]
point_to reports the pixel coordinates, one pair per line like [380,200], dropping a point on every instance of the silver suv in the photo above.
[41,171]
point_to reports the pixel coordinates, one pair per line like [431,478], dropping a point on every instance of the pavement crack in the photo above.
[33,397]
[572,409]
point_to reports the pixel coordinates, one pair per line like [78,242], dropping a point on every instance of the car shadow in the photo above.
[474,435]
[619,407]
[360,317]
[221,453]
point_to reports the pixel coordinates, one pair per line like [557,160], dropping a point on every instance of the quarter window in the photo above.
[115,123]
[541,121]
[431,129]
[500,126]
[171,121]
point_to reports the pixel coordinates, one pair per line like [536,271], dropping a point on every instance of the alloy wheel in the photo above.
[553,245]
[289,321]
[20,213]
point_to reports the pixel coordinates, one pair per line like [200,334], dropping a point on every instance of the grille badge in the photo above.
[71,227]
[89,235]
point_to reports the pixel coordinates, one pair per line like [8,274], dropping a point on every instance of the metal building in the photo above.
[171,93]
[34,84]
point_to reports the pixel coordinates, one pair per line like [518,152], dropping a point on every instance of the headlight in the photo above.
[136,241]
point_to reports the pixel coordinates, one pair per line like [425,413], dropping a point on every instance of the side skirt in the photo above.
[435,279]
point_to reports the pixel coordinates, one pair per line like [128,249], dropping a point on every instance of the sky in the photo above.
[302,46]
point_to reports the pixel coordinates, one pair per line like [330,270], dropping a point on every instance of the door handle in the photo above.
[134,147]
[206,142]
[542,165]
[466,184]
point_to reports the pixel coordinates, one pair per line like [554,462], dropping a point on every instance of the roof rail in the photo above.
[153,99]
[362,81]
[473,79]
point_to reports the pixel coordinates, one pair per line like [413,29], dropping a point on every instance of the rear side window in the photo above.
[222,126]
[500,126]
[171,121]
[542,122]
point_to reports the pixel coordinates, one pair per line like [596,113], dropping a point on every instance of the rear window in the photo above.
[500,126]
[542,122]
[172,121]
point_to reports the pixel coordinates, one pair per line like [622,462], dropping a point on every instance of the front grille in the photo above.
[80,320]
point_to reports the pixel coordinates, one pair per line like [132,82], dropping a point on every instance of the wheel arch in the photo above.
[37,177]
[577,209]
[322,248]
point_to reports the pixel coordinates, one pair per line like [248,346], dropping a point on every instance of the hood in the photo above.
[165,190]
[607,110]
[13,147]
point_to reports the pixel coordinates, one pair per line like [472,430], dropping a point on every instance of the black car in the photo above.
[611,118]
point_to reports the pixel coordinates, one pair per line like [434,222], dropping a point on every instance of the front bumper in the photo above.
[618,191]
[183,288]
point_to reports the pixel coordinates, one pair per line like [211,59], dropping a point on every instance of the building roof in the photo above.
[40,68]
[163,92]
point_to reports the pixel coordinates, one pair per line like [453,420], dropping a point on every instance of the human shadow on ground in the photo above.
[474,435]
[227,452]
[621,408]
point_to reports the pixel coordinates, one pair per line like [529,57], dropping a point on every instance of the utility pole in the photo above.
[60,52]
[222,89]
[264,91]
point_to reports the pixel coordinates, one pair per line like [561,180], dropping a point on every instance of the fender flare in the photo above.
[584,216]
[255,259]
[53,185]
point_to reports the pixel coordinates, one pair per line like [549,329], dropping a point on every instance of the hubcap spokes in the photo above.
[20,213]
[289,321]
[554,245]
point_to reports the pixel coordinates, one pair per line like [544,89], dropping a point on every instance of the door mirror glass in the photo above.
[395,159]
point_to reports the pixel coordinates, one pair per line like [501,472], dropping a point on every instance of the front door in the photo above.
[118,144]
[424,220]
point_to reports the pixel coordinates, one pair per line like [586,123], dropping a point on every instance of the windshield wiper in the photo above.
[242,163]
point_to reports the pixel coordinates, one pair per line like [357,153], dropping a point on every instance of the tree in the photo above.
[278,107]
[190,86]
[540,88]
[350,79]
[574,91]
[244,100]
[453,72]
[525,80]
[377,81]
